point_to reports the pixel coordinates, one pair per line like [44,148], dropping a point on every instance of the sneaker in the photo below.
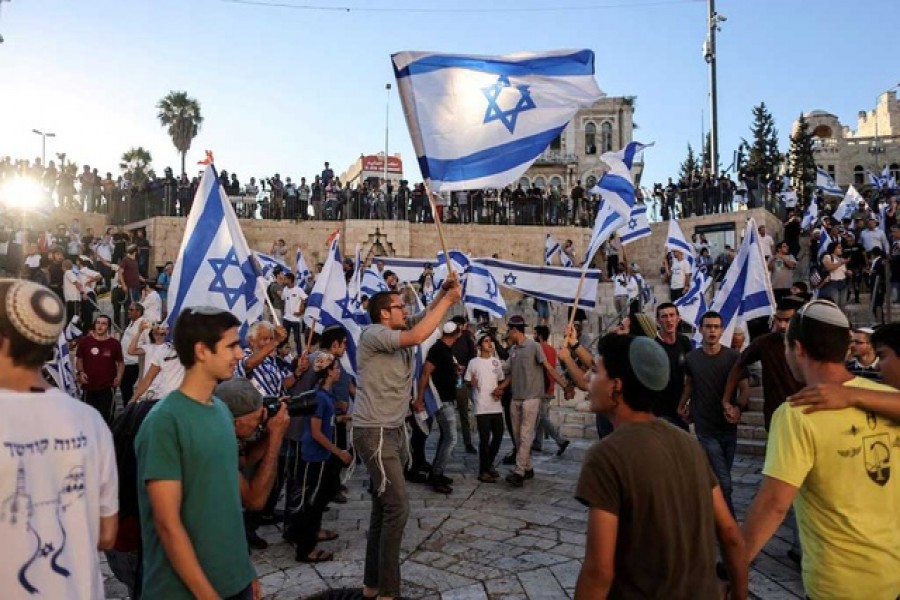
[415,477]
[494,473]
[509,459]
[515,480]
[487,478]
[470,449]
[442,488]
[441,479]
[536,448]
[529,474]
[255,542]
[562,447]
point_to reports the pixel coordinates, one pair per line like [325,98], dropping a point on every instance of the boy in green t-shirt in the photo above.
[188,491]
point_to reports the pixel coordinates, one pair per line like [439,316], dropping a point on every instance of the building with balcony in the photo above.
[847,154]
[574,156]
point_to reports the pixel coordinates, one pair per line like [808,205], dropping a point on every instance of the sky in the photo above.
[283,89]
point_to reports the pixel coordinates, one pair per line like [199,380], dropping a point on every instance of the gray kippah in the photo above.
[649,362]
[826,312]
[33,311]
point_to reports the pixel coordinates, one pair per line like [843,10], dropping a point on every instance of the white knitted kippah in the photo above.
[32,310]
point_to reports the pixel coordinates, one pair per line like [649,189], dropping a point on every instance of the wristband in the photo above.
[574,346]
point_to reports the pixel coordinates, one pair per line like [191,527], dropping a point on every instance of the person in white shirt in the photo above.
[294,298]
[163,371]
[59,496]
[88,279]
[873,236]
[152,302]
[483,374]
[133,331]
[679,273]
[766,241]
[620,288]
[72,289]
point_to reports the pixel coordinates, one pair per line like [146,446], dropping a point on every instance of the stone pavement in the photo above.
[486,540]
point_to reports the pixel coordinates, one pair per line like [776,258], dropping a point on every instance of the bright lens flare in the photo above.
[22,193]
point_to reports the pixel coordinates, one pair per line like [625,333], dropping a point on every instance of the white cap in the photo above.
[449,328]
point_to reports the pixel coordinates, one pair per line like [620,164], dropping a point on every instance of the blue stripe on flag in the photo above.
[489,161]
[579,63]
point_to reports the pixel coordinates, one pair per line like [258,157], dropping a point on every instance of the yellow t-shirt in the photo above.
[845,464]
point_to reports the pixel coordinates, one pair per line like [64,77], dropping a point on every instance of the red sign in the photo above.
[375,164]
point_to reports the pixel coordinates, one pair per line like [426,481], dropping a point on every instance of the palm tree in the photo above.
[181,114]
[135,165]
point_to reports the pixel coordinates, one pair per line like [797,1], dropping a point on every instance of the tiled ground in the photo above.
[487,540]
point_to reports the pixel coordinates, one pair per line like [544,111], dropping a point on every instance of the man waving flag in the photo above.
[480,121]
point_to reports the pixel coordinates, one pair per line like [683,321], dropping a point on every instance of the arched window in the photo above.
[556,182]
[895,171]
[540,182]
[556,144]
[590,139]
[525,183]
[590,182]
[606,142]
[859,175]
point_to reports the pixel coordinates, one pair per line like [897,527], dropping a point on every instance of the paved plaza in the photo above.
[486,540]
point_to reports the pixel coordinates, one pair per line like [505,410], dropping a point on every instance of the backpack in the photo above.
[124,430]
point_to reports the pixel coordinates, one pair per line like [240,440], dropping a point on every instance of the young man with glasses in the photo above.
[864,361]
[188,481]
[385,370]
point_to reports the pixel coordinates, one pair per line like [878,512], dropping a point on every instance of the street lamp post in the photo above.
[709,54]
[44,136]
[876,149]
[387,120]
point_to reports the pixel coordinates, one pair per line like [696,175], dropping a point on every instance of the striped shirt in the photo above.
[268,377]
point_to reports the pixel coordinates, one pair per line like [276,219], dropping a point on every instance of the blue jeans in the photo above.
[446,420]
[720,448]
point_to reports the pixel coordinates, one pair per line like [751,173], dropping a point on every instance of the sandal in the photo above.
[316,556]
[326,535]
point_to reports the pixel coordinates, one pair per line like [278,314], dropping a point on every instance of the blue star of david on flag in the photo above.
[632,224]
[509,279]
[219,285]
[507,117]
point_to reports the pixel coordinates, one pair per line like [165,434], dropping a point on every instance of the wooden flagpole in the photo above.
[437,223]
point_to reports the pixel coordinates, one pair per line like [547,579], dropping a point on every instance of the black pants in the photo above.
[102,400]
[417,441]
[129,379]
[293,326]
[490,435]
[465,420]
[319,483]
[72,309]
[506,401]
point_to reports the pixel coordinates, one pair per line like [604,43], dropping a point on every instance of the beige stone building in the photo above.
[847,154]
[575,155]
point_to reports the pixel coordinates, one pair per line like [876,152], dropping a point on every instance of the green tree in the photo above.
[802,161]
[135,165]
[764,157]
[181,114]
[689,165]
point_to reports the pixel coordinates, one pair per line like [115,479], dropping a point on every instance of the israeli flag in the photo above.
[824,240]
[480,121]
[458,260]
[406,269]
[746,291]
[892,183]
[267,265]
[874,180]
[60,367]
[617,196]
[848,205]
[372,282]
[551,249]
[676,241]
[637,226]
[301,269]
[72,330]
[885,175]
[553,284]
[565,260]
[482,292]
[330,304]
[215,266]
[432,398]
[692,305]
[825,182]
[811,216]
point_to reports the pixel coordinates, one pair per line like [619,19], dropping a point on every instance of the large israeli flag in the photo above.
[482,292]
[825,182]
[553,284]
[330,304]
[675,240]
[811,216]
[848,205]
[480,121]
[637,226]
[616,194]
[372,282]
[746,292]
[215,266]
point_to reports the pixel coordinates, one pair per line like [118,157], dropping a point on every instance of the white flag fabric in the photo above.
[617,196]
[553,284]
[482,292]
[848,205]
[825,182]
[215,266]
[301,269]
[458,260]
[692,304]
[811,216]
[676,241]
[406,269]
[480,121]
[267,265]
[372,282]
[637,226]
[746,291]
[551,249]
[60,368]
[330,304]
